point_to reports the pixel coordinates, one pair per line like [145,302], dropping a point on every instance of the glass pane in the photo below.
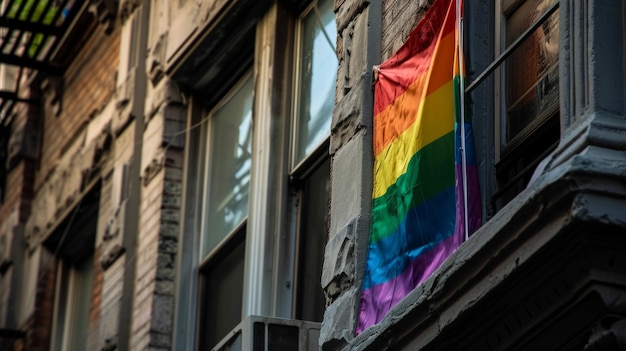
[73,302]
[316,85]
[313,238]
[223,294]
[81,299]
[230,148]
[62,305]
[532,69]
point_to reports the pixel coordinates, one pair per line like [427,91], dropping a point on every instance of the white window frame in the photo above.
[224,247]
[270,262]
[69,318]
[300,171]
[207,163]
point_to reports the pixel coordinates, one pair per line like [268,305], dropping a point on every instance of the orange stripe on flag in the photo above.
[399,115]
[413,58]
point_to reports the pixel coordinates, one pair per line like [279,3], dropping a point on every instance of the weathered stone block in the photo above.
[351,198]
[173,187]
[166,93]
[168,245]
[160,340]
[162,313]
[169,230]
[346,118]
[170,201]
[164,288]
[170,215]
[347,10]
[339,257]
[339,318]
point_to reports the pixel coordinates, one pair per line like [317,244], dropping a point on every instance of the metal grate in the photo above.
[30,33]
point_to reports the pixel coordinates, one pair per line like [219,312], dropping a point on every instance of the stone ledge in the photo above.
[561,228]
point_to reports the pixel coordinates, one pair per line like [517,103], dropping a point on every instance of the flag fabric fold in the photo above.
[418,204]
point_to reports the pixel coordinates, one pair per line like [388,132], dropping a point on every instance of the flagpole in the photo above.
[459,17]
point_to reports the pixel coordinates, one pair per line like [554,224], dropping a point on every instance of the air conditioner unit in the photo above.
[256,333]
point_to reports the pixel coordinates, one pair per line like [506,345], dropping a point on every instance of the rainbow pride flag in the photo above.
[418,203]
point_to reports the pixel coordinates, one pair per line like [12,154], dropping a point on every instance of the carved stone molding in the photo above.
[23,140]
[166,93]
[608,334]
[123,93]
[115,224]
[111,256]
[52,88]
[156,61]
[110,344]
[127,7]
[106,13]
[155,166]
[80,166]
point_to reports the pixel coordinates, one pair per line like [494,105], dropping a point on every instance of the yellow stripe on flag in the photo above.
[437,120]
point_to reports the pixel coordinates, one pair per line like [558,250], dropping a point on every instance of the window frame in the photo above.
[68,293]
[270,232]
[505,156]
[296,164]
[505,11]
[301,170]
[206,164]
[207,259]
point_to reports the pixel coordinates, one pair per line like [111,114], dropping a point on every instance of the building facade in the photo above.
[196,175]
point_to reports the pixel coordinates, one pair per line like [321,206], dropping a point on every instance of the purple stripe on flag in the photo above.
[474,208]
[378,300]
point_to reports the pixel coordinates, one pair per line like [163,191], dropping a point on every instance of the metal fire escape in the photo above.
[30,35]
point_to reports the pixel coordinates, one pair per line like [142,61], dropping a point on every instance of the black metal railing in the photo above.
[30,33]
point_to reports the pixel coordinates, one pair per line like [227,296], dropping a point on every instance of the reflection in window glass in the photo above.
[230,148]
[317,73]
[532,70]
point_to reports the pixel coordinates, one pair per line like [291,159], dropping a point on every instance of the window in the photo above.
[310,171]
[527,129]
[72,245]
[72,301]
[225,205]
[311,195]
[257,188]
[317,66]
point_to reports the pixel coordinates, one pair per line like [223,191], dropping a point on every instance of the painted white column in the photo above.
[269,246]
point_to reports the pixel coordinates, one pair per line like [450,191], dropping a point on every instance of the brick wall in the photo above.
[399,18]
[39,326]
[96,300]
[87,87]
[88,84]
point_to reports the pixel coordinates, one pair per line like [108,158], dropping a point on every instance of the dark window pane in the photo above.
[222,296]
[313,237]
[532,69]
